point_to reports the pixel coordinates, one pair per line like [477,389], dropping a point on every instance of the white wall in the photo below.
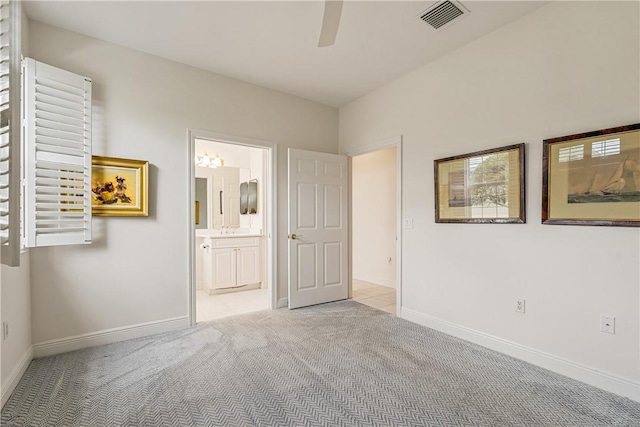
[373,199]
[15,300]
[568,67]
[136,270]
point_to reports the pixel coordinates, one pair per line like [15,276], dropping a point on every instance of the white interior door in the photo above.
[318,253]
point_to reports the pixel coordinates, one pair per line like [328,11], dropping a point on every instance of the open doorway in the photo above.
[231,240]
[374,228]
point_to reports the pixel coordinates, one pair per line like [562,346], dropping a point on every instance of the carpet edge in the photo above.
[605,381]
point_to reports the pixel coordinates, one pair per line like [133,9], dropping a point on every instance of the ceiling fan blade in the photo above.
[330,22]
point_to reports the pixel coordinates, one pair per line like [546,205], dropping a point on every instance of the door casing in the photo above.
[270,234]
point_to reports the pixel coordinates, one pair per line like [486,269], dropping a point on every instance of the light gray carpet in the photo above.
[339,364]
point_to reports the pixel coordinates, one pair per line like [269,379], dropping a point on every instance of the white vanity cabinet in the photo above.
[231,262]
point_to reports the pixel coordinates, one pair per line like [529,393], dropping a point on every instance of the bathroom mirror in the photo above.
[217,195]
[249,197]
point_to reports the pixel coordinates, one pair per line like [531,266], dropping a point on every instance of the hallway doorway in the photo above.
[374,228]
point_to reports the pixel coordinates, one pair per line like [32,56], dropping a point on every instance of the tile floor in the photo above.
[376,296]
[210,307]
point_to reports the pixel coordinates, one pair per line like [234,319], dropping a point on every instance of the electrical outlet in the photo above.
[407,223]
[5,330]
[520,305]
[608,324]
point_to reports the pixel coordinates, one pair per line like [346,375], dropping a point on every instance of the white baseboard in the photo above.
[16,374]
[389,283]
[108,336]
[283,303]
[594,377]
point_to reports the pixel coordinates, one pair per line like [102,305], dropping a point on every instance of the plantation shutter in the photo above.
[10,132]
[57,156]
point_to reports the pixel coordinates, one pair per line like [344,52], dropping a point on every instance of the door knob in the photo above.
[295,236]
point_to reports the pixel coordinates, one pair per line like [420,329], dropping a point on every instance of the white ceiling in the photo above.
[274,44]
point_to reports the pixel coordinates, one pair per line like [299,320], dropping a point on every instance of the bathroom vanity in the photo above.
[231,261]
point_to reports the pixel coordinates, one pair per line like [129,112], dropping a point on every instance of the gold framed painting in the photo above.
[119,187]
[592,178]
[484,187]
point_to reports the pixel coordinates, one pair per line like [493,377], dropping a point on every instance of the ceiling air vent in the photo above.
[443,13]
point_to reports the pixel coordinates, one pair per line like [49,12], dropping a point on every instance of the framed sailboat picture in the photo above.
[592,178]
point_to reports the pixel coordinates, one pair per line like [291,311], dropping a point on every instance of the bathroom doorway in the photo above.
[375,226]
[231,222]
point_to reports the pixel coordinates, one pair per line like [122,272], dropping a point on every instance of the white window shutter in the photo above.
[10,132]
[57,156]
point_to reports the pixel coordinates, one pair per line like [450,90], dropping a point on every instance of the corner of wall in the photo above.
[15,375]
[16,349]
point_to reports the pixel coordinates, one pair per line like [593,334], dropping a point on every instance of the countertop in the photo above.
[207,234]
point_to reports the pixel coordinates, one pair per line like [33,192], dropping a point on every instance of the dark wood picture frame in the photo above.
[464,205]
[549,184]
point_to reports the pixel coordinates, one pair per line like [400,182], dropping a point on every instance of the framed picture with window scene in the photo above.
[592,178]
[484,187]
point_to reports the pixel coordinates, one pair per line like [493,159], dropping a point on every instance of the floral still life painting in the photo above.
[119,187]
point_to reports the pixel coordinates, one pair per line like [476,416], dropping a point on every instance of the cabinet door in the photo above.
[224,268]
[248,265]
[232,197]
[225,203]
